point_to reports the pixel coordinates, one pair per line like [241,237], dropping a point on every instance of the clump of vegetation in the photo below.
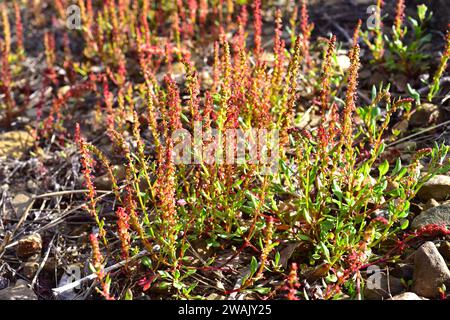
[333,189]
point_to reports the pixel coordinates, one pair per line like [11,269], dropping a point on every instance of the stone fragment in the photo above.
[379,287]
[444,250]
[430,271]
[29,269]
[29,246]
[437,188]
[425,115]
[407,296]
[437,215]
[20,291]
[19,204]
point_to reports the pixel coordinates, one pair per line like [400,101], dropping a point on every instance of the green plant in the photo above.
[334,191]
[403,50]
[407,54]
[374,36]
[435,85]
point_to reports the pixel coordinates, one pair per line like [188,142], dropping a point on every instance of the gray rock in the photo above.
[20,291]
[407,296]
[444,250]
[19,204]
[431,204]
[430,271]
[32,186]
[403,271]
[4,283]
[29,269]
[425,115]
[437,188]
[436,215]
[381,289]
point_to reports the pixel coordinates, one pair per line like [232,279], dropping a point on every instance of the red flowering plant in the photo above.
[330,191]
[12,55]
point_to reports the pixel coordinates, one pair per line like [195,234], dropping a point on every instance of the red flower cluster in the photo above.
[19,29]
[97,258]
[399,16]
[203,11]
[306,29]
[97,261]
[292,285]
[432,230]
[87,163]
[258,28]
[123,230]
[173,104]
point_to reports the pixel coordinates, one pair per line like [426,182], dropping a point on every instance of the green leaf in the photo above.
[184,117]
[414,22]
[277,258]
[332,278]
[381,150]
[374,92]
[304,237]
[383,168]
[237,183]
[402,172]
[92,268]
[146,262]
[375,112]
[413,93]
[164,285]
[405,224]
[262,290]
[422,11]
[189,273]
[128,295]
[398,166]
[326,225]
[253,266]
[325,251]
[336,190]
[306,215]
[178,285]
[253,198]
